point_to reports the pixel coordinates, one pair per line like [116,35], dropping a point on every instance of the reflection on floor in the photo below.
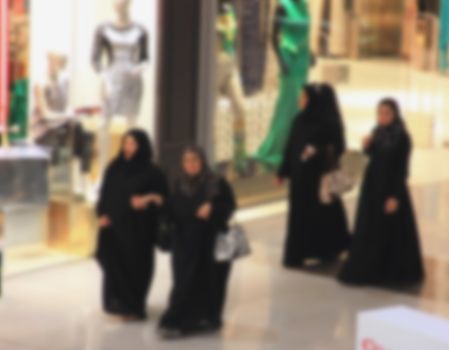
[32,258]
[269,307]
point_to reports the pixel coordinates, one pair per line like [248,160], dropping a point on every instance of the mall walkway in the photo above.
[269,308]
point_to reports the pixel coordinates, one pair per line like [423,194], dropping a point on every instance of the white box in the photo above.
[401,328]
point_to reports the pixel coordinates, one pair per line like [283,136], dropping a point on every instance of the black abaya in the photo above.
[199,290]
[315,230]
[385,248]
[126,249]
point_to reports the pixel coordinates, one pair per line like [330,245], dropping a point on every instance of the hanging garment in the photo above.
[18,116]
[126,48]
[444,36]
[253,39]
[291,40]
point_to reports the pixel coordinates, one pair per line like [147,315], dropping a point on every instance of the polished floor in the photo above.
[269,307]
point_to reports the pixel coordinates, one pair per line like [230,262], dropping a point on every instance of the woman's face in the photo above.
[303,100]
[130,147]
[385,115]
[191,164]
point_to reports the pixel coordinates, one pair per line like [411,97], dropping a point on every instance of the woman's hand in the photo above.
[156,199]
[142,202]
[366,142]
[391,206]
[139,202]
[204,211]
[308,153]
[104,222]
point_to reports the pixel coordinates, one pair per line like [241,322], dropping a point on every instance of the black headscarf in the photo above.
[206,181]
[143,157]
[323,112]
[314,112]
[390,135]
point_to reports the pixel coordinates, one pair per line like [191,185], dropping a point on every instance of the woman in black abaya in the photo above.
[316,143]
[385,249]
[201,205]
[131,199]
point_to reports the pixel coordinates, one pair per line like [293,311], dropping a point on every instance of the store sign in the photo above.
[401,328]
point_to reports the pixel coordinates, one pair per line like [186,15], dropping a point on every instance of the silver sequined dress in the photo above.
[125,49]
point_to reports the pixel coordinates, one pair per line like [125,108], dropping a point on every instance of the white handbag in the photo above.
[345,179]
[335,184]
[232,245]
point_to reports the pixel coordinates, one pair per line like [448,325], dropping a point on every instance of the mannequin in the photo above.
[228,80]
[54,125]
[125,45]
[52,96]
[291,43]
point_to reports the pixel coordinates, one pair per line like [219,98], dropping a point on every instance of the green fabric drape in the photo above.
[295,54]
[18,115]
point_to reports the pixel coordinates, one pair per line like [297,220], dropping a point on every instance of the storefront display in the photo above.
[54,104]
[291,40]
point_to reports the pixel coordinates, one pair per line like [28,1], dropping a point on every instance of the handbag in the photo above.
[335,184]
[343,178]
[232,244]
